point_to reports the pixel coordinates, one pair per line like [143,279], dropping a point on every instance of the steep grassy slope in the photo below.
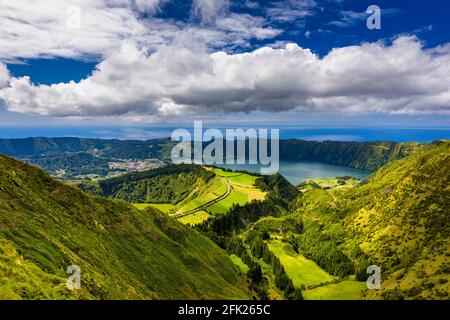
[398,220]
[123,253]
[402,221]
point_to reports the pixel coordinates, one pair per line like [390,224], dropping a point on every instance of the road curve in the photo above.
[207,204]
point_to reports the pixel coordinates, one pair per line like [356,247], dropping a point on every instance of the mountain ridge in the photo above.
[123,253]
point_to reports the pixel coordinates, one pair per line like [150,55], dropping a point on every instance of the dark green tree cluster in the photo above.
[254,273]
[278,188]
[324,251]
[170,184]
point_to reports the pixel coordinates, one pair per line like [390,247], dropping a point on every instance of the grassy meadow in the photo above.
[301,270]
[345,290]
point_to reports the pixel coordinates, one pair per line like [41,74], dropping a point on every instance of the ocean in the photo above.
[316,133]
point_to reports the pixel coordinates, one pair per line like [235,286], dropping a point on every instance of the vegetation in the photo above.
[170,184]
[114,149]
[123,253]
[360,155]
[400,219]
[344,290]
[77,156]
[315,244]
[302,271]
[163,207]
[329,183]
[238,261]
[72,164]
[195,218]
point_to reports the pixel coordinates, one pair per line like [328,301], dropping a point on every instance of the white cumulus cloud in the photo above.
[402,77]
[4,75]
[82,29]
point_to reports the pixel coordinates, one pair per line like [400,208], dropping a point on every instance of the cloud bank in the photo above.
[82,29]
[4,75]
[399,78]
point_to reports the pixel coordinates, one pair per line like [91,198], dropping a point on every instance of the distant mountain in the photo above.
[123,253]
[360,155]
[120,149]
[78,156]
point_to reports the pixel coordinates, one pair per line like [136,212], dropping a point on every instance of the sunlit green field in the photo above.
[163,207]
[329,183]
[198,202]
[308,273]
[345,290]
[223,206]
[215,189]
[243,191]
[238,261]
[301,270]
[236,177]
[195,218]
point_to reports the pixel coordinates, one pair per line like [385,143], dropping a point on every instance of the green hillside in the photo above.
[77,155]
[326,238]
[108,148]
[401,219]
[398,220]
[313,244]
[170,184]
[123,253]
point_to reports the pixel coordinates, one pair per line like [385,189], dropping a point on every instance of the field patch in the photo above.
[195,218]
[329,183]
[345,290]
[238,261]
[242,192]
[223,206]
[301,270]
[252,193]
[236,177]
[163,207]
[213,190]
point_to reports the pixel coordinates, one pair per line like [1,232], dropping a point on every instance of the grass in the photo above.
[243,191]
[213,190]
[345,290]
[222,173]
[163,207]
[195,218]
[197,202]
[236,177]
[253,193]
[123,252]
[301,270]
[223,206]
[329,183]
[238,261]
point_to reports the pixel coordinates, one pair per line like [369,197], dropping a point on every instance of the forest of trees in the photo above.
[170,184]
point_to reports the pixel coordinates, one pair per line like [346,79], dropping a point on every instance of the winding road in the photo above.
[207,204]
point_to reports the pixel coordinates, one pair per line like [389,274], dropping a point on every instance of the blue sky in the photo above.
[154,63]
